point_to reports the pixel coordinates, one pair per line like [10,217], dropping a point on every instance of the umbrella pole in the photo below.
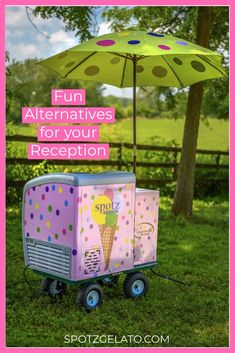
[134,114]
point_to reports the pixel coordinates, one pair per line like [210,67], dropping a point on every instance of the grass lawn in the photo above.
[194,251]
[214,136]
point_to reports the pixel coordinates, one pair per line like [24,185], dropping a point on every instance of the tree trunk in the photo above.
[183,198]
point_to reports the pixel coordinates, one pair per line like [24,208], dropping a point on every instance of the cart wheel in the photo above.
[89,296]
[109,281]
[53,288]
[135,285]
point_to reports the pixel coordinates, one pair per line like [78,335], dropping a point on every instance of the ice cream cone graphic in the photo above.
[107,232]
[106,218]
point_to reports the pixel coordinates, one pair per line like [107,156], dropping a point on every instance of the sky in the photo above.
[24,41]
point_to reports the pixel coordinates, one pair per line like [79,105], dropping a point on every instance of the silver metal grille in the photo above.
[49,258]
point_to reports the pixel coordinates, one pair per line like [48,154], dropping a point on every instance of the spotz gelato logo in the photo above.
[106,207]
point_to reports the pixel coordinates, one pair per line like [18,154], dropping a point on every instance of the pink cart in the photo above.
[87,229]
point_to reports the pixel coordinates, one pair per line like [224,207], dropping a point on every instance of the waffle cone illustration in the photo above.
[107,232]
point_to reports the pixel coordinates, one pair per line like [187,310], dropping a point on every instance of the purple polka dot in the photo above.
[149,237]
[127,254]
[27,234]
[127,222]
[71,190]
[31,215]
[147,208]
[34,188]
[25,222]
[164,47]
[91,226]
[85,196]
[134,42]
[28,192]
[139,203]
[115,238]
[181,42]
[122,263]
[128,203]
[47,188]
[57,212]
[74,252]
[155,34]
[43,197]
[105,42]
[64,231]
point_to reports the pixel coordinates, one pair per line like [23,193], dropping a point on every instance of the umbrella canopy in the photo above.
[136,58]
[162,60]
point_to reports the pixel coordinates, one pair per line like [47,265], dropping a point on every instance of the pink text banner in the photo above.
[44,115]
[69,133]
[68,97]
[68,151]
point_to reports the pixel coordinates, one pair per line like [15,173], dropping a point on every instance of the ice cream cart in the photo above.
[87,229]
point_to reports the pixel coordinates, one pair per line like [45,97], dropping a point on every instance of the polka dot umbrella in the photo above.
[136,58]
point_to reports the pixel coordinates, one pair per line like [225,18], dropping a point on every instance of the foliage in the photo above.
[81,19]
[31,85]
[181,22]
[195,315]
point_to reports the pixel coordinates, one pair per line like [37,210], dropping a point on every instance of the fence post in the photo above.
[119,157]
[175,153]
[217,160]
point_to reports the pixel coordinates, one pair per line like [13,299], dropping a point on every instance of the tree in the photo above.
[183,198]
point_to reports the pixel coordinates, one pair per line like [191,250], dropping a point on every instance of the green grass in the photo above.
[214,136]
[194,251]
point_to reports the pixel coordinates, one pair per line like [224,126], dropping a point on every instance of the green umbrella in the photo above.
[136,58]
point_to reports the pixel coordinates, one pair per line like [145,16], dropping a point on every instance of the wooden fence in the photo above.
[119,163]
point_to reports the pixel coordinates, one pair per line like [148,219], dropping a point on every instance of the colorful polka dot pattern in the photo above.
[49,209]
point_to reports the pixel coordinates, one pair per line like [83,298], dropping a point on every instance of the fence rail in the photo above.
[119,163]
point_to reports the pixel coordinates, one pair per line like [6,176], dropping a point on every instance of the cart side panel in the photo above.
[146,226]
[106,228]
[49,224]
